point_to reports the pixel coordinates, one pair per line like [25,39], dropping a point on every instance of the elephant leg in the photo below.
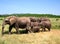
[17,30]
[43,29]
[48,29]
[2,30]
[10,28]
[26,29]
[29,29]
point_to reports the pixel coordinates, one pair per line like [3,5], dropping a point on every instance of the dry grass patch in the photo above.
[52,37]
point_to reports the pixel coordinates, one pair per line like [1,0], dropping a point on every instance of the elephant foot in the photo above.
[30,32]
[18,32]
[49,30]
[44,30]
[9,33]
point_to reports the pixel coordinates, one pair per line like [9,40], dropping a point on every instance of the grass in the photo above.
[52,37]
[55,24]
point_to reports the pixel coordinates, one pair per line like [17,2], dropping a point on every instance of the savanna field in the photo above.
[52,37]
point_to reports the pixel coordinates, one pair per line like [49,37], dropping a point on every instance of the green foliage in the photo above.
[35,15]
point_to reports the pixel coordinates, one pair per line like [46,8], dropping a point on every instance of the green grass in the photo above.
[55,24]
[35,15]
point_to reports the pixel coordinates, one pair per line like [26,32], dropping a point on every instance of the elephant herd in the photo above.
[31,24]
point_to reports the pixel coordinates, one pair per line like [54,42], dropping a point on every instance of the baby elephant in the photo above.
[45,24]
[35,27]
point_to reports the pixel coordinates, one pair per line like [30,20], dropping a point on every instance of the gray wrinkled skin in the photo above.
[16,22]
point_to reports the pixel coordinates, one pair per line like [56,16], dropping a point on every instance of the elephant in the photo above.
[43,19]
[33,19]
[16,22]
[35,26]
[45,24]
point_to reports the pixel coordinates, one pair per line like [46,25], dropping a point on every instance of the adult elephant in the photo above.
[43,19]
[45,23]
[33,19]
[16,22]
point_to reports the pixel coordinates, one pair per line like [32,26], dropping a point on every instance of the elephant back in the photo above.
[43,19]
[33,19]
[23,19]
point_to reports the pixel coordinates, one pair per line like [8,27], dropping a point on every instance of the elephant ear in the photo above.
[12,21]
